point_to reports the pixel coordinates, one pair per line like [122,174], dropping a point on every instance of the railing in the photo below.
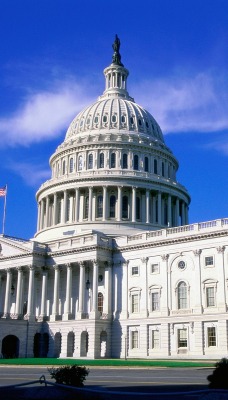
[217,224]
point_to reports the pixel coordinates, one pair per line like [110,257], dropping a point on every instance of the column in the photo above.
[67,310]
[108,289]
[177,211]
[95,286]
[198,305]
[30,311]
[90,204]
[71,210]
[119,203]
[76,204]
[186,214]
[47,210]
[147,206]
[159,208]
[123,291]
[166,303]
[42,214]
[38,220]
[104,203]
[43,308]
[221,289]
[154,210]
[55,209]
[81,290]
[144,309]
[18,310]
[133,204]
[8,294]
[64,207]
[55,308]
[169,210]
[182,213]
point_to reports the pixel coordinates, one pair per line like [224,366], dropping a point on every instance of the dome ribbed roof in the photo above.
[110,114]
[115,111]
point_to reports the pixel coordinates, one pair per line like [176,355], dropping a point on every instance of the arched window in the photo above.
[163,169]
[125,207]
[136,162]
[112,208]
[59,208]
[86,207]
[71,164]
[68,209]
[138,213]
[182,296]
[64,167]
[146,164]
[155,166]
[90,161]
[113,160]
[101,163]
[80,163]
[100,302]
[125,163]
[100,206]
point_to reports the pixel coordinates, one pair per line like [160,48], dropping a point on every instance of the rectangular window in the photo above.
[209,261]
[211,336]
[155,301]
[210,294]
[135,270]
[154,268]
[182,338]
[135,303]
[155,340]
[134,339]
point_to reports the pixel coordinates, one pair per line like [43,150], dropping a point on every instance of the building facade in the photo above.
[115,269]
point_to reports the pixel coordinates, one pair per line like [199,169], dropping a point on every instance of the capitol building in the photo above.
[115,270]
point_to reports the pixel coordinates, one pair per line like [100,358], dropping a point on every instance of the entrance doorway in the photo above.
[10,346]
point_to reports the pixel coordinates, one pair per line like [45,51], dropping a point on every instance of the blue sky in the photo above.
[52,56]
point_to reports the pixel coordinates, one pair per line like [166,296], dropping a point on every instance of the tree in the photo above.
[71,375]
[219,377]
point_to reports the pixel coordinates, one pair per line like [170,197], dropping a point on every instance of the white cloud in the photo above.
[43,115]
[180,104]
[32,174]
[195,104]
[220,145]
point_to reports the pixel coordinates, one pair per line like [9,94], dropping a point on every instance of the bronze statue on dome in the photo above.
[116,58]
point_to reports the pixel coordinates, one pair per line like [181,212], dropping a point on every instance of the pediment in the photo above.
[12,247]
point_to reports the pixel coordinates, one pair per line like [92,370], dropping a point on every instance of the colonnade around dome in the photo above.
[110,204]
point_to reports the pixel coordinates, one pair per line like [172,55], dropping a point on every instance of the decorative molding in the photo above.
[197,252]
[221,249]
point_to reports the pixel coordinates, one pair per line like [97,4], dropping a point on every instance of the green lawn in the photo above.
[108,363]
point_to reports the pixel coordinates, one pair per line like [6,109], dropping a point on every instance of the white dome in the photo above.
[113,172]
[115,114]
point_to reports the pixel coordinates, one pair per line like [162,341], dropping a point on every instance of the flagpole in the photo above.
[4,214]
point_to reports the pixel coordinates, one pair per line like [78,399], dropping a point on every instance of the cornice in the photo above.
[19,256]
[143,182]
[165,242]
[63,252]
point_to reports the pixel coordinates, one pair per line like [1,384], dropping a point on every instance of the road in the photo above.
[133,379]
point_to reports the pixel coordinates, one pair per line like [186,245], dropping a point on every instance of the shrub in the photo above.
[71,375]
[219,377]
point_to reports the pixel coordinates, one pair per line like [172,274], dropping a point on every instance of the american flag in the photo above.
[3,191]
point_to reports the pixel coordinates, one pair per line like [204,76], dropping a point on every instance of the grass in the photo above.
[109,362]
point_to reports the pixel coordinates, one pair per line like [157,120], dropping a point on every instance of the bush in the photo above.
[71,375]
[219,377]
